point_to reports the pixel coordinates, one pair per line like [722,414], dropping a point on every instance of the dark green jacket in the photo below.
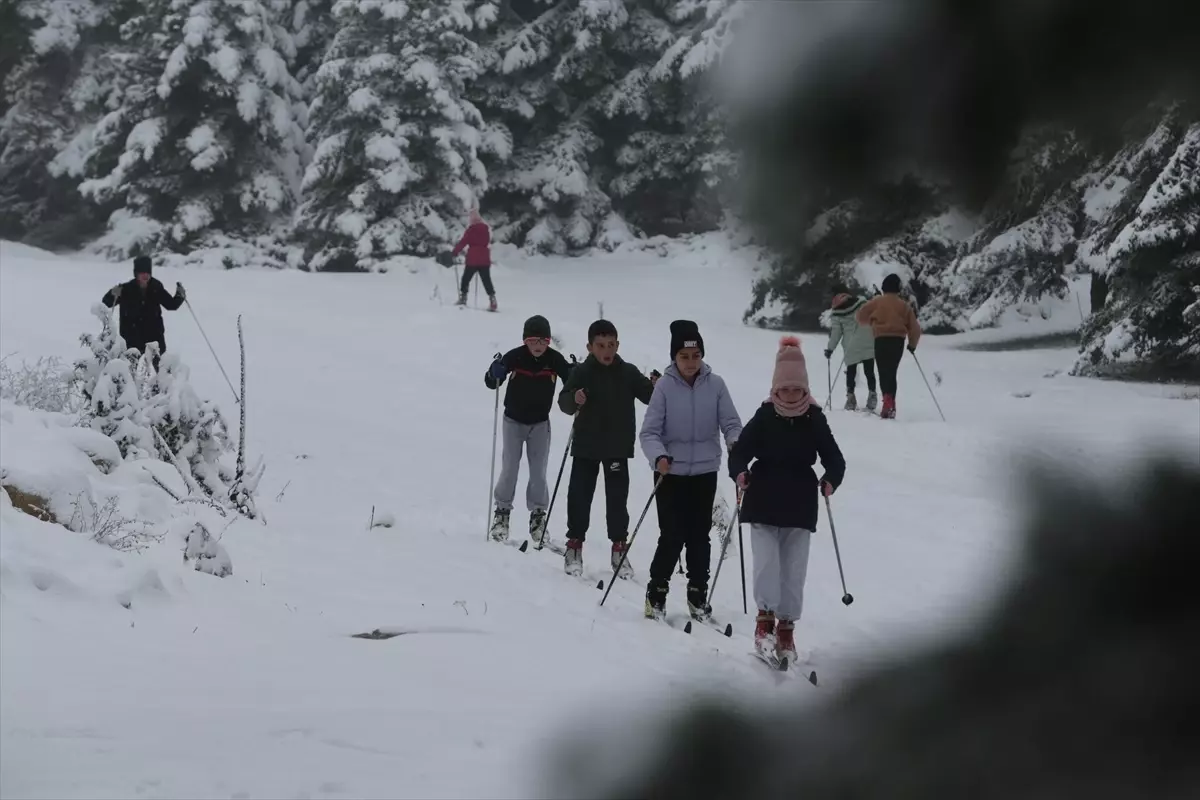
[605,426]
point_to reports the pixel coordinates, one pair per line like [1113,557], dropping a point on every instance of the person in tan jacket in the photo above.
[891,319]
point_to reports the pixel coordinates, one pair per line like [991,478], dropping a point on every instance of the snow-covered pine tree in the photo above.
[52,74]
[202,145]
[546,65]
[396,163]
[1147,246]
[672,163]
[106,378]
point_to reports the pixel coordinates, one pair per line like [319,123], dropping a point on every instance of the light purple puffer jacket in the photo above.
[686,422]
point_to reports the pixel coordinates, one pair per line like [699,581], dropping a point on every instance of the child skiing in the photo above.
[858,346]
[681,437]
[477,239]
[891,318]
[779,494]
[534,366]
[600,393]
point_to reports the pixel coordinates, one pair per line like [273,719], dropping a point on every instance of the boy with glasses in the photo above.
[535,368]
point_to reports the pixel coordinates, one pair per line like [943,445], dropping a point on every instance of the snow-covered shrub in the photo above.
[105,525]
[396,163]
[45,385]
[202,549]
[106,378]
[189,431]
[202,137]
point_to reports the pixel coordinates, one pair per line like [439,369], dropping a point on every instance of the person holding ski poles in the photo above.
[858,346]
[600,393]
[142,301]
[891,318]
[535,367]
[772,463]
[689,412]
[477,239]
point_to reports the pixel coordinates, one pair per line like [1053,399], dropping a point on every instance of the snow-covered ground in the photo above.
[125,675]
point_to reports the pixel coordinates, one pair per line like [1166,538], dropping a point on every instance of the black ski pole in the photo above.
[632,536]
[847,598]
[541,542]
[742,552]
[487,534]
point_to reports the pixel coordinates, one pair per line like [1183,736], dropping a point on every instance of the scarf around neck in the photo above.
[794,409]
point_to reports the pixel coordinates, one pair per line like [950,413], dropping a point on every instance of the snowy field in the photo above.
[132,675]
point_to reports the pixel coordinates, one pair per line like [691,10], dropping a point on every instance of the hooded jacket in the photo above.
[686,422]
[857,339]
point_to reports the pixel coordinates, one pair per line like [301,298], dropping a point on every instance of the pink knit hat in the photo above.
[790,369]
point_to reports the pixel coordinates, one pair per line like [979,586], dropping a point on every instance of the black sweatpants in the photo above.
[582,488]
[485,275]
[685,505]
[888,352]
[868,373]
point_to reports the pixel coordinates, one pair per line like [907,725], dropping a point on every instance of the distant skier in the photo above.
[600,393]
[858,345]
[689,412]
[891,319]
[535,367]
[142,301]
[477,240]
[780,490]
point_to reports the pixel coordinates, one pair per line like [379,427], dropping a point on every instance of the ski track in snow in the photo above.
[364,390]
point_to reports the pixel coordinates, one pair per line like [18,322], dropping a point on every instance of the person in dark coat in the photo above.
[600,393]
[535,367]
[477,239]
[142,301]
[784,439]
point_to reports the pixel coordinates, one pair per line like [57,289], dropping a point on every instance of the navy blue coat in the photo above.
[779,453]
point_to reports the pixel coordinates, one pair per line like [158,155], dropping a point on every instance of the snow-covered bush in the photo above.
[107,380]
[201,135]
[105,525]
[200,548]
[46,385]
[396,163]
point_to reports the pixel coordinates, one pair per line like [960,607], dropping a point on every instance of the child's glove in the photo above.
[912,348]
[743,480]
[497,370]
[827,488]
[828,354]
[180,292]
[662,465]
[654,376]
[115,291]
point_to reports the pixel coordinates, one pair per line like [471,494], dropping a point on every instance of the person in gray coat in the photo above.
[858,343]
[689,412]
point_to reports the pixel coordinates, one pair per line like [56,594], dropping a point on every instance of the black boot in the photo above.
[698,606]
[656,601]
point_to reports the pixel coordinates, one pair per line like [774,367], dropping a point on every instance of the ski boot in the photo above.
[462,299]
[621,565]
[537,526]
[656,602]
[872,401]
[491,302]
[851,402]
[697,600]
[785,643]
[500,525]
[764,631]
[573,557]
[889,407]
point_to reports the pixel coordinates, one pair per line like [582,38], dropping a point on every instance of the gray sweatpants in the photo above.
[780,566]
[516,437]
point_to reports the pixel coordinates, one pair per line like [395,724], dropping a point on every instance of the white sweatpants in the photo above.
[780,567]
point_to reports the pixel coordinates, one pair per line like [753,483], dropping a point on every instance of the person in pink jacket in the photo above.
[477,239]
